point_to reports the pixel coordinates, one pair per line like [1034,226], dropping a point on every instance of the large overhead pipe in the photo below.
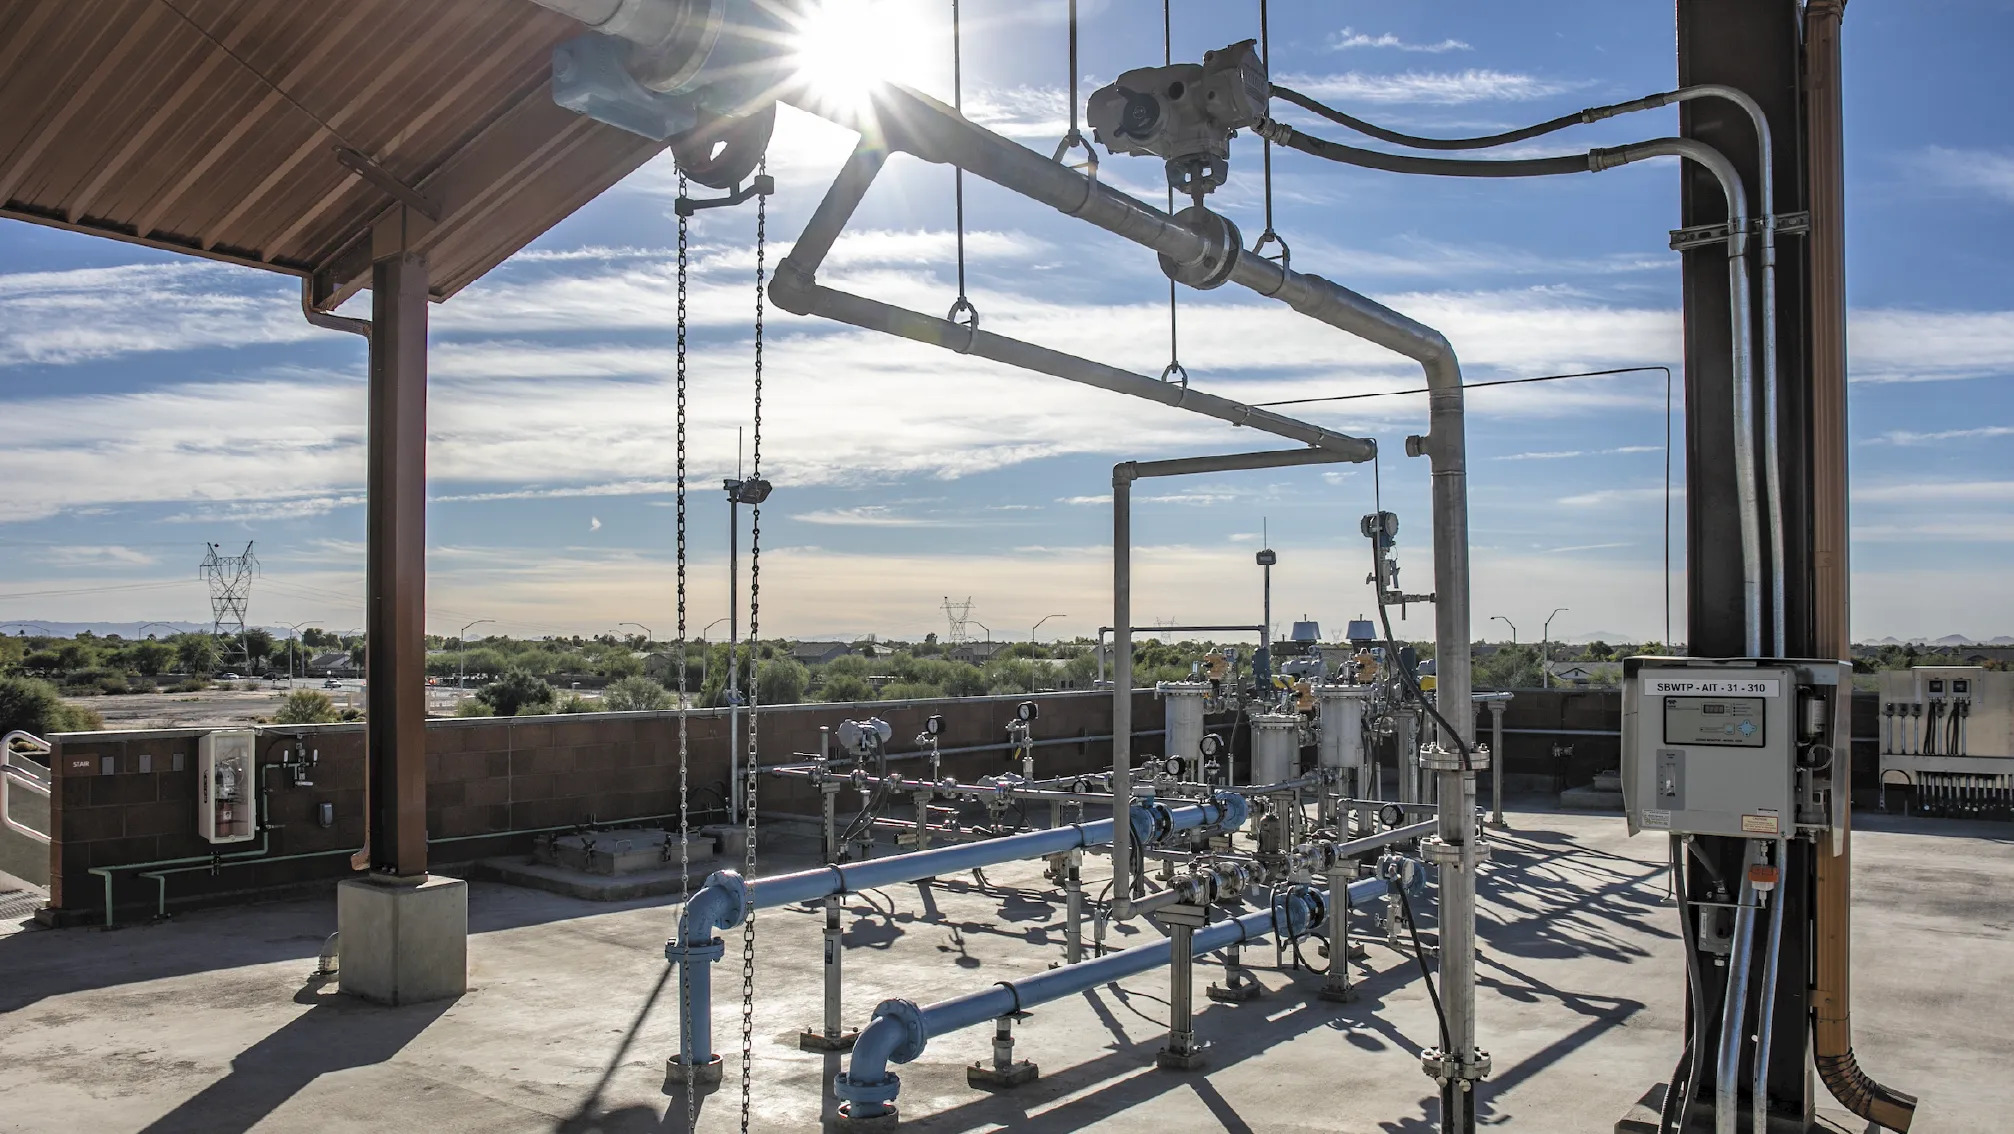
[727,898]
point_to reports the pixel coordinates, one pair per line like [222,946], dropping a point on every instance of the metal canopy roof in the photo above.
[215,128]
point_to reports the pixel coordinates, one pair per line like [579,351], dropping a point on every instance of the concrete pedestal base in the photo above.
[815,1039]
[403,943]
[706,1074]
[1169,1060]
[1247,989]
[985,1074]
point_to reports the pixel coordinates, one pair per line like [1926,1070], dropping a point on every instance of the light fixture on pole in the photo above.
[1506,622]
[462,662]
[1038,625]
[648,637]
[1545,649]
[982,626]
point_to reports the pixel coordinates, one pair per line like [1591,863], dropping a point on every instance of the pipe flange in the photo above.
[679,954]
[1440,853]
[914,1037]
[735,889]
[1233,808]
[1222,245]
[1444,1068]
[1440,758]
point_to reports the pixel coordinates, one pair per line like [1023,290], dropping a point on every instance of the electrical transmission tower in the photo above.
[957,613]
[230,579]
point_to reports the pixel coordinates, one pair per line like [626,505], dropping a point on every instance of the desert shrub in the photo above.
[306,706]
[515,691]
[635,694]
[35,707]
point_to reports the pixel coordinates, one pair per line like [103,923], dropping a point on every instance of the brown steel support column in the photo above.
[396,572]
[1832,891]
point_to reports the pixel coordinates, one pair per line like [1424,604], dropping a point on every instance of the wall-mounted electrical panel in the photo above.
[1737,747]
[1948,732]
[227,786]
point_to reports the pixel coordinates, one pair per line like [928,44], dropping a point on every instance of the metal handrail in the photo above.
[31,777]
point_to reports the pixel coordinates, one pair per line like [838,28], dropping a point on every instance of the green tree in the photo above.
[635,694]
[514,691]
[910,691]
[618,664]
[197,653]
[781,681]
[151,657]
[306,706]
[34,707]
[846,687]
[258,644]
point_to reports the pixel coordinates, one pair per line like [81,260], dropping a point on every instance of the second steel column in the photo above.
[396,568]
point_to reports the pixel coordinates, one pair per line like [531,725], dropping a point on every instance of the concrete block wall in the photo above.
[125,799]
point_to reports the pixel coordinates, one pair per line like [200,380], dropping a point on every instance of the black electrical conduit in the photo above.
[1578,118]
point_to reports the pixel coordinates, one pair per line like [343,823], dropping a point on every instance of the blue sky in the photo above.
[153,403]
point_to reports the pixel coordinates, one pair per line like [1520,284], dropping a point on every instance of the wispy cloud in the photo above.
[61,317]
[1889,345]
[1566,454]
[111,556]
[1947,490]
[1606,496]
[1905,437]
[1437,88]
[1350,39]
[874,516]
[1587,547]
[1990,172]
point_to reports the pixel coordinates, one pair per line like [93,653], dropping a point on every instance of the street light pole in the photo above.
[705,654]
[1509,623]
[462,661]
[1038,625]
[1545,649]
[293,634]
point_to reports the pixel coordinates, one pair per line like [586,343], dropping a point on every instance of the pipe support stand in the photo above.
[1457,855]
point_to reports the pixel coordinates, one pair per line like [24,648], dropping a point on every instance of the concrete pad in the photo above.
[596,887]
[403,943]
[210,1022]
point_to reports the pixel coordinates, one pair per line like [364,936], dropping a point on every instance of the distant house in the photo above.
[333,663]
[977,653]
[818,653]
[1585,672]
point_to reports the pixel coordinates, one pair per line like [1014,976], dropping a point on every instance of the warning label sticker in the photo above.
[1652,818]
[1759,824]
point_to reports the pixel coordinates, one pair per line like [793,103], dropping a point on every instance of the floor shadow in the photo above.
[337,1034]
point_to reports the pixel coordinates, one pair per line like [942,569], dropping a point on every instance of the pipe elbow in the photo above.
[792,288]
[896,1035]
[720,904]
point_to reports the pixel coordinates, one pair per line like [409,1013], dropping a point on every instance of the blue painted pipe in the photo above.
[726,898]
[900,1029]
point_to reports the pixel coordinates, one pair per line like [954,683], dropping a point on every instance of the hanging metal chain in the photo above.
[754,673]
[1269,236]
[962,312]
[684,738]
[1076,137]
[1174,371]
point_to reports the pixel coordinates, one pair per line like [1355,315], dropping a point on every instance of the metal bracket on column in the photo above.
[1703,235]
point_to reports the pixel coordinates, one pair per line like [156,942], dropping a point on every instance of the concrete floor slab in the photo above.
[211,1023]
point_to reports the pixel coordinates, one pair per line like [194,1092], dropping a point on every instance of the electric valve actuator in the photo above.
[226,786]
[1737,747]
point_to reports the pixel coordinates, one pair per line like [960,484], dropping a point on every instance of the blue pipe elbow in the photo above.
[897,1034]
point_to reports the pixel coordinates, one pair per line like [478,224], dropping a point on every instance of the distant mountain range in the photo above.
[1948,640]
